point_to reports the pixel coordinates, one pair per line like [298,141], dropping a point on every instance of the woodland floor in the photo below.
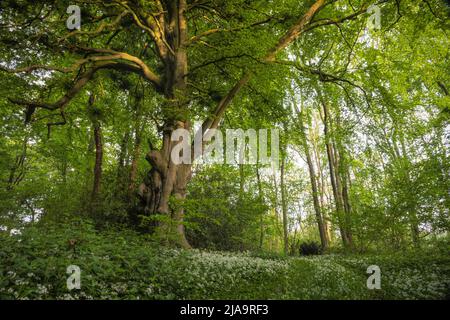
[121,265]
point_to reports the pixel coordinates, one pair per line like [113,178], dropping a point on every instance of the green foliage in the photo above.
[219,215]
[387,123]
[119,264]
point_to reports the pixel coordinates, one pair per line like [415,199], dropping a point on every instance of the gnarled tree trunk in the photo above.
[166,179]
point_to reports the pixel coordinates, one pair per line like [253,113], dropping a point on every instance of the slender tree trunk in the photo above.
[98,143]
[17,172]
[284,204]
[134,161]
[241,180]
[122,162]
[325,197]
[321,187]
[261,218]
[414,223]
[342,189]
[86,197]
[275,205]
[312,176]
[98,162]
[137,144]
[334,179]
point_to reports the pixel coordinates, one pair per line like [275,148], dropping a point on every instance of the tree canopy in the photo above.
[358,90]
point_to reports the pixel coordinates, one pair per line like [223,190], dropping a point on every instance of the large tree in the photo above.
[178,47]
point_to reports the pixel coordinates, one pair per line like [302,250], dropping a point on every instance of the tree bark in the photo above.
[97,130]
[165,178]
[321,187]
[284,205]
[19,166]
[275,204]
[122,162]
[137,148]
[134,162]
[342,189]
[312,176]
[261,218]
[334,179]
[412,207]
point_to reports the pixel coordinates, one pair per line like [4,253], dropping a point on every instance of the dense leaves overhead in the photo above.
[86,117]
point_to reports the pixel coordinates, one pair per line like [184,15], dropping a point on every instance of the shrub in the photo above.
[310,248]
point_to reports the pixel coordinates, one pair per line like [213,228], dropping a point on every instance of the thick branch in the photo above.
[295,31]
[146,71]
[79,84]
[154,27]
[291,35]
[103,26]
[217,30]
[326,22]
[81,81]
[72,68]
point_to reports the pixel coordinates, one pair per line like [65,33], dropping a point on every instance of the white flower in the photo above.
[149,290]
[42,290]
